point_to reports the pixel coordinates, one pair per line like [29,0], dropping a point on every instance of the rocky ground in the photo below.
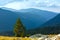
[46,37]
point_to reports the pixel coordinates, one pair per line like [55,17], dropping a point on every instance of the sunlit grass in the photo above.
[21,38]
[16,38]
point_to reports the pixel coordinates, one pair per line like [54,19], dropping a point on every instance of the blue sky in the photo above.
[40,4]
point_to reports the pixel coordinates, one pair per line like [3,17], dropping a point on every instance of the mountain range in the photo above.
[50,27]
[31,18]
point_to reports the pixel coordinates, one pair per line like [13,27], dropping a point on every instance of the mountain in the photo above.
[31,18]
[50,27]
[53,22]
[7,19]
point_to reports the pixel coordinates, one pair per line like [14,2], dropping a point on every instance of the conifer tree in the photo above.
[19,29]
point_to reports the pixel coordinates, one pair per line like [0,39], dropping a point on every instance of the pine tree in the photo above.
[19,29]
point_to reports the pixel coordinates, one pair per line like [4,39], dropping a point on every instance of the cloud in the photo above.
[3,2]
[49,4]
[40,3]
[18,5]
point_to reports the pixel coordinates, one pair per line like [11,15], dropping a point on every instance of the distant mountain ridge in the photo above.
[40,16]
[7,19]
[53,22]
[31,19]
[50,27]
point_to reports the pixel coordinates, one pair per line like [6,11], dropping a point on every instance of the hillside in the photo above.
[50,27]
[7,20]
[31,19]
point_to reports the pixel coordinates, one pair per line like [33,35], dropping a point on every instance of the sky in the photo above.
[50,5]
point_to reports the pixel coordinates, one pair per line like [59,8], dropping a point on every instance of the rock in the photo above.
[38,36]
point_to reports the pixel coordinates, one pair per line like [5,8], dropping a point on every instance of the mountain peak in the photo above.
[29,10]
